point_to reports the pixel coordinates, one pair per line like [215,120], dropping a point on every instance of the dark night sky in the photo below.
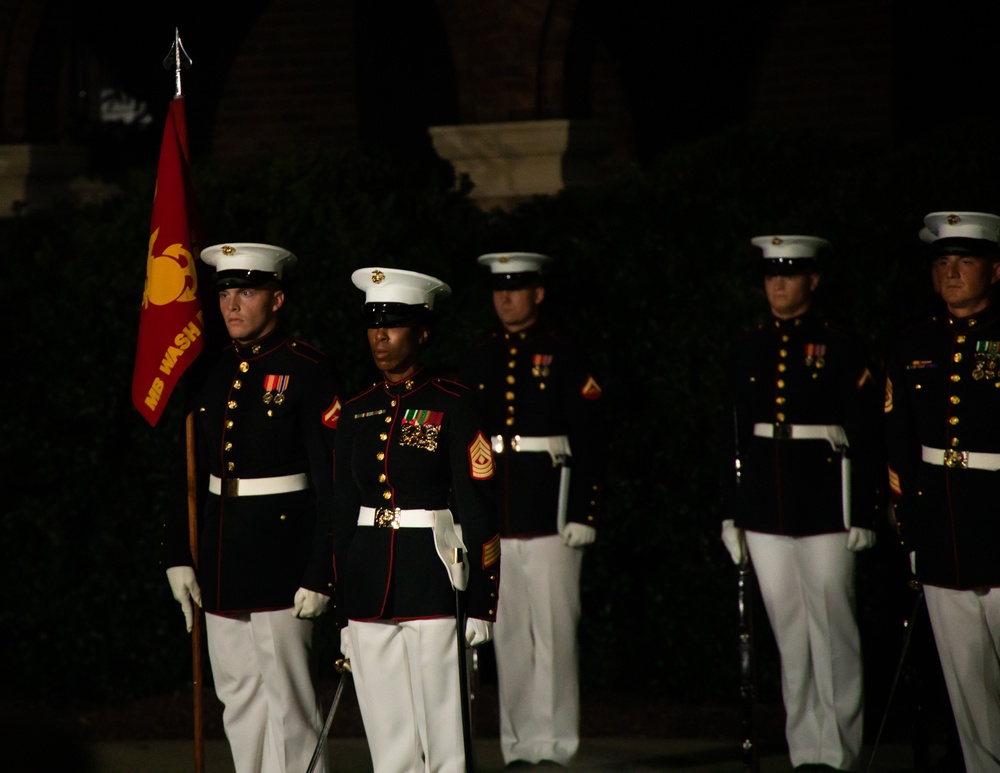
[694,55]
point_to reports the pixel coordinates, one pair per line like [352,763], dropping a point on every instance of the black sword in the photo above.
[899,670]
[344,667]
[463,674]
[744,600]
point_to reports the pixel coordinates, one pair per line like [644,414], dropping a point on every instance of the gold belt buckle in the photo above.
[231,487]
[955,458]
[387,517]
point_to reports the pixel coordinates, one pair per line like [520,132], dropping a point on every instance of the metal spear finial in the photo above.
[176,59]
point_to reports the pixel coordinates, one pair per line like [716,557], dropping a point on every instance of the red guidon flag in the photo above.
[170,323]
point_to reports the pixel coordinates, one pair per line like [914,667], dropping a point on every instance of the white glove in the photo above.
[184,586]
[309,603]
[478,631]
[345,648]
[576,535]
[860,539]
[732,538]
[913,562]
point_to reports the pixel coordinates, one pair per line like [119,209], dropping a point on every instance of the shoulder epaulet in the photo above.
[836,326]
[489,338]
[563,338]
[449,385]
[306,351]
[746,334]
[919,324]
[366,391]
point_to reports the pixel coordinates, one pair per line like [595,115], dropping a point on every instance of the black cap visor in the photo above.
[968,248]
[790,266]
[240,278]
[516,280]
[395,315]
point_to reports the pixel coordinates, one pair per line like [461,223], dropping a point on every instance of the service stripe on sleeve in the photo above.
[491,552]
[894,482]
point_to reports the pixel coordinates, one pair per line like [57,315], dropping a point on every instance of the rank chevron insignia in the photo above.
[332,414]
[480,458]
[591,389]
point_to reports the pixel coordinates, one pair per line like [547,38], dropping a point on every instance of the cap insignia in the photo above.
[777,240]
[377,277]
[503,259]
[954,220]
[228,249]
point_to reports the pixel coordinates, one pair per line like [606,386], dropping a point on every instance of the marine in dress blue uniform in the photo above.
[942,410]
[805,406]
[412,463]
[265,423]
[543,408]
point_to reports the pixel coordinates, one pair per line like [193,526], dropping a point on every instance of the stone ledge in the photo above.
[512,161]
[36,176]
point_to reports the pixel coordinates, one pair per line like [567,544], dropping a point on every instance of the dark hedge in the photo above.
[655,272]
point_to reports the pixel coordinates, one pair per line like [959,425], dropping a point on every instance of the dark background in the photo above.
[654,273]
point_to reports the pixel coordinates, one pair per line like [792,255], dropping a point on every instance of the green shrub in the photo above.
[655,272]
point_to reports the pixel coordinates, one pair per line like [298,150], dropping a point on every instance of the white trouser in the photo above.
[260,663]
[967,633]
[807,584]
[406,679]
[535,640]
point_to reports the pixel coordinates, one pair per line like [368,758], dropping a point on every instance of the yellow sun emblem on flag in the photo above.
[170,276]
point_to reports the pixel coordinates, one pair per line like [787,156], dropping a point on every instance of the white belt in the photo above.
[255,487]
[556,446]
[447,535]
[394,518]
[967,460]
[834,434]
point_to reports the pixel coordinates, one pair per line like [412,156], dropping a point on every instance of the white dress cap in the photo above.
[395,285]
[513,262]
[789,246]
[248,256]
[961,225]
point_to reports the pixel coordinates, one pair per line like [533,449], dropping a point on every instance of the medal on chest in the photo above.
[987,354]
[274,389]
[815,355]
[421,429]
[540,365]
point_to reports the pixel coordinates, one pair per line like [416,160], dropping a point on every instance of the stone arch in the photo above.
[406,76]
[290,80]
[19,19]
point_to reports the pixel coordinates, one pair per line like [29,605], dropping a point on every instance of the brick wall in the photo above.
[827,63]
[19,23]
[292,81]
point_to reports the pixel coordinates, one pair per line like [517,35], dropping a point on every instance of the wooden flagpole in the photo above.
[192,498]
